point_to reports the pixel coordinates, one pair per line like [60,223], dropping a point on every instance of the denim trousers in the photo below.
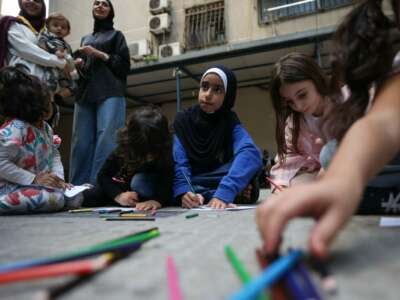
[94,137]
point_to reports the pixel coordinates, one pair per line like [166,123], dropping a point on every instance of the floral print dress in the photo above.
[25,151]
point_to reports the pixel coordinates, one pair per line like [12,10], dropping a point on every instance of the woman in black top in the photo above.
[100,103]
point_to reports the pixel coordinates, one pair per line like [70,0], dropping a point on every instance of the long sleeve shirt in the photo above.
[24,50]
[25,151]
[246,162]
[309,144]
[104,79]
[112,187]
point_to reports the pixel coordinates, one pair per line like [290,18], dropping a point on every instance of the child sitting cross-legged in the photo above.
[31,172]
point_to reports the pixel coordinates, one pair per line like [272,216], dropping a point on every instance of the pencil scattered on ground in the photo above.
[76,267]
[240,270]
[122,244]
[269,276]
[192,216]
[174,289]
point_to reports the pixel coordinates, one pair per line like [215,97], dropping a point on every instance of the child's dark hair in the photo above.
[58,17]
[22,96]
[145,139]
[292,68]
[363,55]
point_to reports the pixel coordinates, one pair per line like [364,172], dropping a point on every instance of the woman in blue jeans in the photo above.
[100,103]
[139,172]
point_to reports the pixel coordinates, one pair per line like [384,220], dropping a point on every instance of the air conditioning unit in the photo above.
[138,49]
[158,6]
[160,23]
[168,50]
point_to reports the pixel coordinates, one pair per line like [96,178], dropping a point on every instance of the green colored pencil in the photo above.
[240,270]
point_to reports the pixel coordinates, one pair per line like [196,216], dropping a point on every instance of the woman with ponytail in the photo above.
[366,126]
[100,103]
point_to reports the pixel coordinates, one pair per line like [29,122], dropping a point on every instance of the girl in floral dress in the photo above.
[31,172]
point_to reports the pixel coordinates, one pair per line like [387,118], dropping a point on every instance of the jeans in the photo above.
[93,137]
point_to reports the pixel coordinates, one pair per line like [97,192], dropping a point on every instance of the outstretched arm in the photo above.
[368,145]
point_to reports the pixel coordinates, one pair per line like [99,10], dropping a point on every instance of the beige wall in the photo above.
[242,23]
[242,20]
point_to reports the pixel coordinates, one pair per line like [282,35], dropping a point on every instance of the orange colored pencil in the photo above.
[78,267]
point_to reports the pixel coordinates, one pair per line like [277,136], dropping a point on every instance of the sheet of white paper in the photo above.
[389,222]
[76,189]
[239,207]
[114,208]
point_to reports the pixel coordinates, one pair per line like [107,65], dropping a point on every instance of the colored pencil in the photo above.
[77,267]
[107,246]
[132,215]
[299,284]
[80,210]
[278,291]
[175,292]
[130,218]
[269,276]
[191,216]
[328,282]
[240,270]
[277,186]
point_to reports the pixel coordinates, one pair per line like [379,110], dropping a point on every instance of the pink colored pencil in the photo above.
[78,267]
[277,186]
[175,292]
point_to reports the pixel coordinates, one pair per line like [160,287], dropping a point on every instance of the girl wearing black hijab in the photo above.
[100,103]
[215,157]
[19,40]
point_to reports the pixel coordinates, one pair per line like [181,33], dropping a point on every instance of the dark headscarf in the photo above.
[207,138]
[104,24]
[5,24]
[37,22]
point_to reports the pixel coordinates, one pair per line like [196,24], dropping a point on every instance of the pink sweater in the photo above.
[307,159]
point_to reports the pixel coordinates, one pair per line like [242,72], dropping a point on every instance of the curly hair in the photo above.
[23,96]
[145,139]
[292,68]
[363,55]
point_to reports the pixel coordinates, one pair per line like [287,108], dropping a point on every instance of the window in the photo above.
[205,25]
[279,9]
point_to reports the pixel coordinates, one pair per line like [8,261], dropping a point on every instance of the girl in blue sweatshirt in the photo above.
[215,157]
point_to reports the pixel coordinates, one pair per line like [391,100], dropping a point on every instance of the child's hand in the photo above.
[219,204]
[127,199]
[330,202]
[50,179]
[79,62]
[60,54]
[190,200]
[148,205]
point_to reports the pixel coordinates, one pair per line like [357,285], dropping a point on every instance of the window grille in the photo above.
[280,9]
[205,25]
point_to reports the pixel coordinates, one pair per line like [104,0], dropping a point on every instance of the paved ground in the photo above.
[365,259]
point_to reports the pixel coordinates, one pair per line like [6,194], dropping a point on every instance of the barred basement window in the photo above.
[280,9]
[205,25]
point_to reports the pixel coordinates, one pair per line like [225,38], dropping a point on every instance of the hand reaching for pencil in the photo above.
[190,200]
[127,199]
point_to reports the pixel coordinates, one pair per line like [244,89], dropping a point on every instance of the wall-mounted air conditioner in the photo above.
[170,49]
[158,6]
[138,49]
[160,23]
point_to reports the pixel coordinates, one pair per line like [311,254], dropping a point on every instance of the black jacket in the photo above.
[100,79]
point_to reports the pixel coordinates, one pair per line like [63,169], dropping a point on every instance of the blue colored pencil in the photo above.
[269,276]
[300,285]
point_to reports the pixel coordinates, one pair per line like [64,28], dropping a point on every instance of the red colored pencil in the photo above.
[78,267]
[277,186]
